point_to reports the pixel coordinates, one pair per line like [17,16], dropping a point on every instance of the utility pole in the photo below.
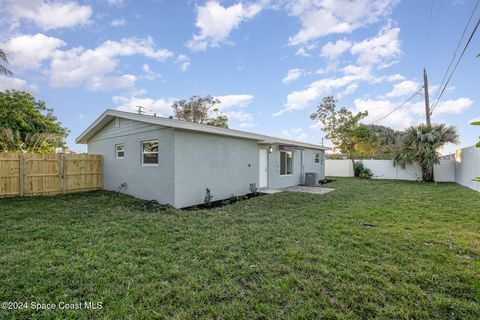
[427,100]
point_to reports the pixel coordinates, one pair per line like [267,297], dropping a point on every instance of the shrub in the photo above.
[253,188]
[361,171]
[208,197]
[233,198]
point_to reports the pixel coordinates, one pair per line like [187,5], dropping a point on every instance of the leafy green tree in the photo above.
[199,110]
[420,145]
[3,61]
[26,124]
[380,142]
[218,120]
[477,123]
[342,127]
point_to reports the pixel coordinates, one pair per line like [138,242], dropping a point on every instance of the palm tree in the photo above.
[420,145]
[41,142]
[4,60]
[476,123]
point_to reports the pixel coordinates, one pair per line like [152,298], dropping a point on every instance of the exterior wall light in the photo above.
[270,149]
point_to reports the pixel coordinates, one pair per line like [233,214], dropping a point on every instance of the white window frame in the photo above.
[116,151]
[286,174]
[143,152]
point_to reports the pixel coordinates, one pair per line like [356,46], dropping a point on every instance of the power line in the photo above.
[456,65]
[397,107]
[456,50]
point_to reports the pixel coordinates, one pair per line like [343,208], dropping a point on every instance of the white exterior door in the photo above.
[263,167]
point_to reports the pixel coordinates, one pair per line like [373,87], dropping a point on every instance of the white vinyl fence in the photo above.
[462,170]
[467,166]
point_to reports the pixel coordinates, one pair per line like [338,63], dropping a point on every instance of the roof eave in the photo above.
[84,136]
[109,114]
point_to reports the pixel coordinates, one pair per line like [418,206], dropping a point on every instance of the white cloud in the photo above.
[115,2]
[28,51]
[162,107]
[239,102]
[292,75]
[410,114]
[404,88]
[302,52]
[183,61]
[100,83]
[217,22]
[370,52]
[11,83]
[50,14]
[320,18]
[399,119]
[333,51]
[298,100]
[356,70]
[239,115]
[349,90]
[379,49]
[245,125]
[318,23]
[453,106]
[149,73]
[234,100]
[298,134]
[79,66]
[118,22]
[395,77]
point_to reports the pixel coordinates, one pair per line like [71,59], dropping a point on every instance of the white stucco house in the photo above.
[173,161]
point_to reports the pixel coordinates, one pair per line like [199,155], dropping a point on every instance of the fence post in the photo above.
[62,173]
[101,173]
[21,173]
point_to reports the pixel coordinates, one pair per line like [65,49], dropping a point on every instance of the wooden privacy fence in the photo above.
[30,174]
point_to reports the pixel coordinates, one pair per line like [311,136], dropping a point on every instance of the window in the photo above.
[150,153]
[286,162]
[120,150]
[317,157]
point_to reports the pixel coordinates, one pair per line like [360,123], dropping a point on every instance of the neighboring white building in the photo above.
[174,161]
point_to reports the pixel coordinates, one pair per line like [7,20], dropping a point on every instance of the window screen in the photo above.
[150,152]
[120,150]
[286,162]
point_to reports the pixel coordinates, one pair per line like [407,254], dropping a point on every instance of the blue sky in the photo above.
[269,62]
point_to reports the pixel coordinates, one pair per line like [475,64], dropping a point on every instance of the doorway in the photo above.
[263,167]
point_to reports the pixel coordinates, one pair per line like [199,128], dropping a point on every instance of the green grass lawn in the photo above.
[286,255]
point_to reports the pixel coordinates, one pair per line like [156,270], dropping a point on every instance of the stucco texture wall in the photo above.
[467,167]
[276,181]
[225,165]
[311,165]
[145,182]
